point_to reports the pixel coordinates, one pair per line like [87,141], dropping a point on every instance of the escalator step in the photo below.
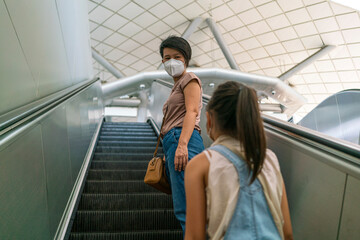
[146,126]
[146,235]
[126,123]
[120,165]
[123,186]
[111,129]
[130,138]
[116,174]
[110,149]
[115,202]
[127,134]
[124,143]
[96,221]
[135,201]
[123,156]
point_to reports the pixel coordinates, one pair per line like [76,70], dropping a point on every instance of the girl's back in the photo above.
[222,195]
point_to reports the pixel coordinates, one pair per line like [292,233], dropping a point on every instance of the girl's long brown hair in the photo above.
[236,110]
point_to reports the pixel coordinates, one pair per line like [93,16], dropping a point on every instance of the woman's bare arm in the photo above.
[195,183]
[192,98]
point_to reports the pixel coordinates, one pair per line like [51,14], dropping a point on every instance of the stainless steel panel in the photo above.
[75,137]
[16,79]
[157,97]
[23,204]
[315,189]
[349,110]
[38,29]
[57,165]
[351,211]
[76,38]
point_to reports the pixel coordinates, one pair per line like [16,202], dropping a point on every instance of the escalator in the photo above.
[115,202]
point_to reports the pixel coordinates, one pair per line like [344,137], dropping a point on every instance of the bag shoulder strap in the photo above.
[158,140]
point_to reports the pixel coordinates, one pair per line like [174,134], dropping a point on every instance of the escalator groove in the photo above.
[115,203]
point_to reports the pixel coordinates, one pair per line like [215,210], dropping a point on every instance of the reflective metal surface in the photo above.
[57,165]
[314,189]
[23,198]
[39,32]
[13,81]
[22,114]
[270,86]
[349,228]
[337,116]
[40,162]
[42,50]
[76,38]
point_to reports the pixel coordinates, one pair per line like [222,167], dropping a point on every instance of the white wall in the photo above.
[44,48]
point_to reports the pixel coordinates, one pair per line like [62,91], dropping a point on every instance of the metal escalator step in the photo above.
[143,235]
[126,123]
[128,134]
[110,149]
[116,202]
[123,156]
[116,174]
[127,129]
[133,126]
[111,129]
[96,221]
[124,143]
[123,186]
[119,165]
[130,138]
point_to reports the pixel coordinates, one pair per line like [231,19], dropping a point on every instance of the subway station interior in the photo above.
[82,89]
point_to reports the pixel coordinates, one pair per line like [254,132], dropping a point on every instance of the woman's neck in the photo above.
[177,78]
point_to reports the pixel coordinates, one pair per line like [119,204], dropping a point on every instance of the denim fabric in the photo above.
[252,218]
[176,178]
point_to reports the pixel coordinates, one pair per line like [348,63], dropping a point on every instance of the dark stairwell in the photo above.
[116,203]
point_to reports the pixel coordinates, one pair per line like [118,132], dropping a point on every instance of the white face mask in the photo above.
[174,67]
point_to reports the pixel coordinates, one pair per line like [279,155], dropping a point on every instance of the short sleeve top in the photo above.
[175,108]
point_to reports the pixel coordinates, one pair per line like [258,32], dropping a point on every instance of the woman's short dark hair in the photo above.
[236,110]
[179,44]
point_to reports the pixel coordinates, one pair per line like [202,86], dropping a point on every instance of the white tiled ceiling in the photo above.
[265,37]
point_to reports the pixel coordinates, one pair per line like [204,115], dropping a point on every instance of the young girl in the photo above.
[234,189]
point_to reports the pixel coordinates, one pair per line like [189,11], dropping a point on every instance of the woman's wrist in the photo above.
[182,143]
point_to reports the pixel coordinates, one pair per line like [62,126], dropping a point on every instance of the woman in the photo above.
[181,130]
[235,187]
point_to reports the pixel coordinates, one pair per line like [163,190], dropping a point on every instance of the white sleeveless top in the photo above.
[223,188]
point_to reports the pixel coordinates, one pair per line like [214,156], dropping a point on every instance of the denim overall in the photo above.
[252,218]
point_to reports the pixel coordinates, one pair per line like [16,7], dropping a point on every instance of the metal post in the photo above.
[297,68]
[220,40]
[105,63]
[189,30]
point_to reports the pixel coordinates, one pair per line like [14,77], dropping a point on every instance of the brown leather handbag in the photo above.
[155,174]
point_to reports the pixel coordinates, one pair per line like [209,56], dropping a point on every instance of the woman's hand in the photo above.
[181,157]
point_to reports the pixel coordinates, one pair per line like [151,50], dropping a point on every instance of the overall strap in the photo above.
[236,160]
